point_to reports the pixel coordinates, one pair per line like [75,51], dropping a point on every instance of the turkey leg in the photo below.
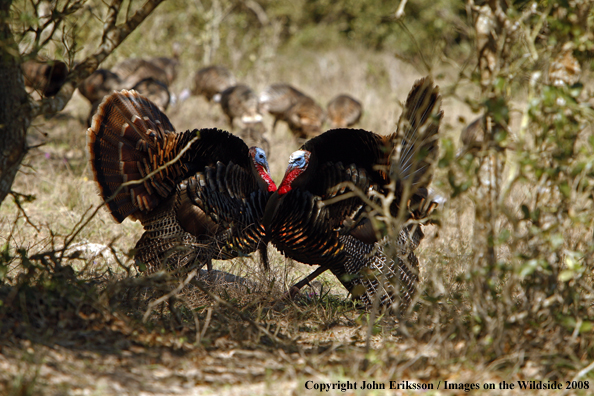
[297,286]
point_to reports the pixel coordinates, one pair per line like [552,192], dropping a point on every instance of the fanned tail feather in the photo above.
[416,137]
[128,139]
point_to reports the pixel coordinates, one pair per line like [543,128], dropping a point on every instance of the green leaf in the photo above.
[530,266]
[586,327]
[556,240]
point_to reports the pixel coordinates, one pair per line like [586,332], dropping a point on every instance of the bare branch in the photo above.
[111,19]
[53,20]
[16,196]
[113,36]
[258,11]
[76,231]
[167,296]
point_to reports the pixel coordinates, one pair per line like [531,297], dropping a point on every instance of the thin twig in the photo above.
[113,36]
[239,313]
[206,323]
[126,184]
[15,196]
[414,40]
[117,259]
[167,296]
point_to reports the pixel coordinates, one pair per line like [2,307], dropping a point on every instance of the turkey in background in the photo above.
[47,77]
[277,98]
[305,118]
[210,82]
[302,114]
[344,111]
[240,101]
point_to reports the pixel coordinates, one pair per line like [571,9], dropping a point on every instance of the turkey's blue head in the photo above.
[298,162]
[261,164]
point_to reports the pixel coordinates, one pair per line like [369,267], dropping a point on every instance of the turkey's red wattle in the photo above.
[264,175]
[285,186]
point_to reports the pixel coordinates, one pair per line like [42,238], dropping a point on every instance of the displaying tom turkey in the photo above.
[315,218]
[199,194]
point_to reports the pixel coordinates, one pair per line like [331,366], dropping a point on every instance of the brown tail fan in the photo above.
[128,139]
[416,138]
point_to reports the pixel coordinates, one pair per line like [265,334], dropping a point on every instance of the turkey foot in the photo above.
[294,290]
[292,293]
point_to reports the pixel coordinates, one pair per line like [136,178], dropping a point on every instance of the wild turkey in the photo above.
[211,81]
[305,118]
[128,66]
[240,102]
[253,135]
[476,139]
[45,77]
[99,84]
[103,82]
[277,99]
[313,219]
[205,190]
[169,64]
[155,91]
[344,111]
[473,136]
[134,70]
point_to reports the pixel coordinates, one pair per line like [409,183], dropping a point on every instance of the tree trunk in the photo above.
[16,108]
[14,105]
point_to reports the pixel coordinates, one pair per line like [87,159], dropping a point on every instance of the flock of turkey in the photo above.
[203,194]
[152,78]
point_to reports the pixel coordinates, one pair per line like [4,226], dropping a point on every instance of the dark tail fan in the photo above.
[416,137]
[128,139]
